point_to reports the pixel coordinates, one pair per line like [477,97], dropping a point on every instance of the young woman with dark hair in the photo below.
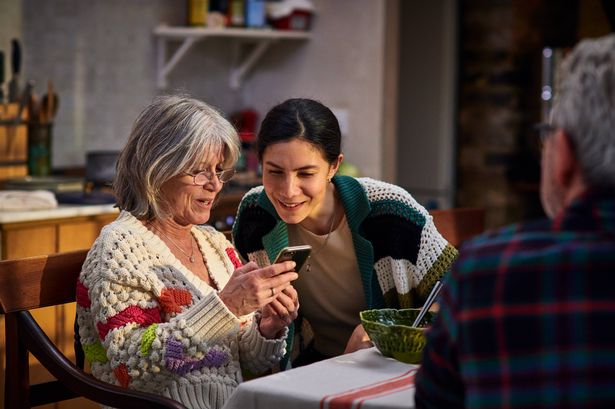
[373,245]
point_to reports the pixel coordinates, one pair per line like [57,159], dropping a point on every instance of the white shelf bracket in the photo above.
[164,67]
[259,39]
[239,72]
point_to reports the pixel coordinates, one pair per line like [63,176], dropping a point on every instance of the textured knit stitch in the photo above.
[132,314]
[158,327]
[176,361]
[172,299]
[95,352]
[148,339]
[81,295]
[399,251]
[232,254]
[121,373]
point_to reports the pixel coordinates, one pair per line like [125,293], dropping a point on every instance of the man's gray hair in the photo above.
[585,107]
[170,136]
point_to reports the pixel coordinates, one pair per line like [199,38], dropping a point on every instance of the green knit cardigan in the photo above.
[399,251]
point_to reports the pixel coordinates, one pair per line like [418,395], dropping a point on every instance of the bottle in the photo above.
[237,13]
[255,13]
[197,12]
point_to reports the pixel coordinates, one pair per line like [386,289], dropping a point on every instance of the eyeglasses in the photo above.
[206,176]
[545,130]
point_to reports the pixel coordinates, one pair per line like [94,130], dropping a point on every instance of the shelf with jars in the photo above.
[261,39]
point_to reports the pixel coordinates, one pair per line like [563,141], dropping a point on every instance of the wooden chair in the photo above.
[44,281]
[457,225]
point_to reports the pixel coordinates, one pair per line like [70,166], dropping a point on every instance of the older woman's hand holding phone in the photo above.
[251,288]
[268,289]
[283,310]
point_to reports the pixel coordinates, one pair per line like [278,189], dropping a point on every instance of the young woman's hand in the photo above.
[358,340]
[279,313]
[251,288]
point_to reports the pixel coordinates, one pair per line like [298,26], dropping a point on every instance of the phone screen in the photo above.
[298,254]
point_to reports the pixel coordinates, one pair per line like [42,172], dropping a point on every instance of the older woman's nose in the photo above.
[213,184]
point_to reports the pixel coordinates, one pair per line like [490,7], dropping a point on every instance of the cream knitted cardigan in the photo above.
[147,323]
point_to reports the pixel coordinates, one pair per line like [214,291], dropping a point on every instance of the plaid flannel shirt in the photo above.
[527,317]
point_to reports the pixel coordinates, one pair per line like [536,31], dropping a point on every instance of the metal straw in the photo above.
[430,299]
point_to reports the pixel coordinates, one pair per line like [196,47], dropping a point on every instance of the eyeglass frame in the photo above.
[545,130]
[208,174]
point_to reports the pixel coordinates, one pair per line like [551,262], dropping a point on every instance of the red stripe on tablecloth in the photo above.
[344,400]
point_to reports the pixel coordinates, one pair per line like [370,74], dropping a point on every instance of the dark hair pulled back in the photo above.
[304,119]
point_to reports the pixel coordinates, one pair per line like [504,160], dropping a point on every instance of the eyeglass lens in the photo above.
[205,177]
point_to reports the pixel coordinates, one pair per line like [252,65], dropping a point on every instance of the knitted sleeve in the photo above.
[142,325]
[256,353]
[251,224]
[435,258]
[410,255]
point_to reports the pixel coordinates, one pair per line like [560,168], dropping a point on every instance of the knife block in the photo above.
[13,142]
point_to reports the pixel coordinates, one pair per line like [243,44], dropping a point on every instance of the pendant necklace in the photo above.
[308,268]
[191,255]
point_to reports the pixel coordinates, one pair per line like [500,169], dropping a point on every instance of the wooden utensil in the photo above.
[49,104]
[34,109]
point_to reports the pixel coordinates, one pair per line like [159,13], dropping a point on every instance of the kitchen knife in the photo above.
[16,68]
[24,101]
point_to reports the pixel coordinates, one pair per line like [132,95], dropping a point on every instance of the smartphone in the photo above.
[298,254]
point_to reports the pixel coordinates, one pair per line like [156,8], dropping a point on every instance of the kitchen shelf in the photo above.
[262,39]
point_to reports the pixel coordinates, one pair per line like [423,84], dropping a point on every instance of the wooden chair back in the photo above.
[457,225]
[45,281]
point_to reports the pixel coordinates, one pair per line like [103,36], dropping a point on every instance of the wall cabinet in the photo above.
[38,237]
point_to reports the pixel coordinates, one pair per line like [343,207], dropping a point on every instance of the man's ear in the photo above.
[566,165]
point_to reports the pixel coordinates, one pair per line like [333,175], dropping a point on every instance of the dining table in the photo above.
[362,379]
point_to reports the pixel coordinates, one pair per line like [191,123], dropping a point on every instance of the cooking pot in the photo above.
[99,174]
[100,168]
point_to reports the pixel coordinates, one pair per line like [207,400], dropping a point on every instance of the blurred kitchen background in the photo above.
[437,96]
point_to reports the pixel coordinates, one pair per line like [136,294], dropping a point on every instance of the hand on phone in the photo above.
[250,288]
[298,254]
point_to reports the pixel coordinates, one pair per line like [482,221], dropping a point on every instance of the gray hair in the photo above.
[585,107]
[169,137]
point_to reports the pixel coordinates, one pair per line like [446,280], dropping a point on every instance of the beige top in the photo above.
[331,294]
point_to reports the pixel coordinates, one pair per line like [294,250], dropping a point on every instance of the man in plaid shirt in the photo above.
[527,314]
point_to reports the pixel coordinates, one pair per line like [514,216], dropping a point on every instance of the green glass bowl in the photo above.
[392,332]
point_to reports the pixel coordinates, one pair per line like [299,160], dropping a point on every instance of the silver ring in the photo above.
[272,291]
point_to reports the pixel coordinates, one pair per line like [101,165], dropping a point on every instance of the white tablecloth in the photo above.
[364,379]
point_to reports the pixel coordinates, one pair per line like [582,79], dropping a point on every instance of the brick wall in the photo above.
[498,101]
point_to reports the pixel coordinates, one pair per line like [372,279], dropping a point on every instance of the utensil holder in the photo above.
[39,149]
[13,142]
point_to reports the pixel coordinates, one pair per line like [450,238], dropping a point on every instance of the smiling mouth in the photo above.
[289,205]
[205,202]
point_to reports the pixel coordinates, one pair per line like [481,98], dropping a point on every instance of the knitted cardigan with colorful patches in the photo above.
[399,252]
[147,323]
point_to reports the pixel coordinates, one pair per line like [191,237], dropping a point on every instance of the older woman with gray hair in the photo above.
[164,304]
